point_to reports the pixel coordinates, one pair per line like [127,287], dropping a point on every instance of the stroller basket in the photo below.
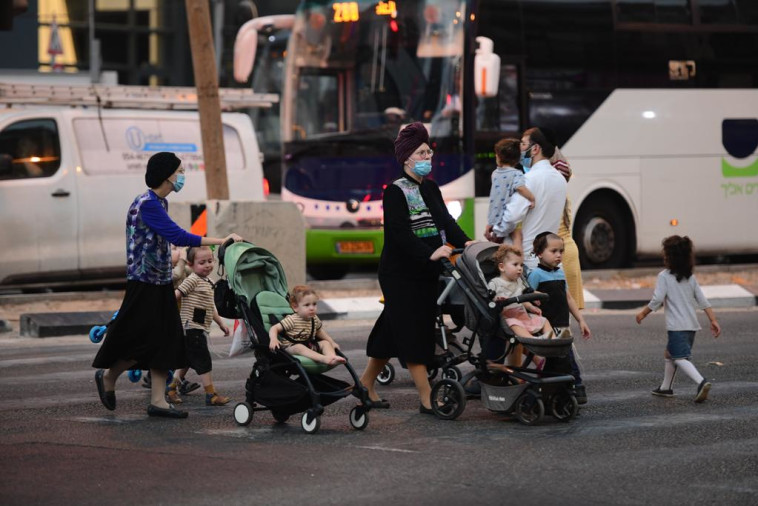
[501,398]
[547,347]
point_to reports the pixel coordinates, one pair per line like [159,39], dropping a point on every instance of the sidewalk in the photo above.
[68,313]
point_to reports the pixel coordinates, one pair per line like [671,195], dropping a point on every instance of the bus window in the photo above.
[317,106]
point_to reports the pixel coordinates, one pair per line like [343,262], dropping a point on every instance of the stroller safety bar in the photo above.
[527,297]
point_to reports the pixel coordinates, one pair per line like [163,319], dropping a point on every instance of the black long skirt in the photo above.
[405,329]
[147,329]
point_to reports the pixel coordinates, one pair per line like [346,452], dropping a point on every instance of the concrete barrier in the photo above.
[276,226]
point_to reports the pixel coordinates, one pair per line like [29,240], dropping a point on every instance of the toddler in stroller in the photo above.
[516,389]
[280,382]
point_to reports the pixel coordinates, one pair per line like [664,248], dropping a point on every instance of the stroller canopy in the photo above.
[251,269]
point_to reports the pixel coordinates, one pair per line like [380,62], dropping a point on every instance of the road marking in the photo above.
[383,449]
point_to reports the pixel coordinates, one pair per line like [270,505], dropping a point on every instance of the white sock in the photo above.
[669,371]
[689,369]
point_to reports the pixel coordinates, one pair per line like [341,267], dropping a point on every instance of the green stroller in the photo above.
[279,382]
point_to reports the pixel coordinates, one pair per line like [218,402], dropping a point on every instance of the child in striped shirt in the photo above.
[302,332]
[197,312]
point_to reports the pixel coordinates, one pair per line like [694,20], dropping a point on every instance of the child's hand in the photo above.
[531,204]
[224,329]
[716,329]
[640,316]
[535,310]
[586,334]
[273,344]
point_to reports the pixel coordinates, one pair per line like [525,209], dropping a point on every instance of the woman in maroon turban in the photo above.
[417,228]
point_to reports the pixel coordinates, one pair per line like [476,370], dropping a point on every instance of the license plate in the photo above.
[355,247]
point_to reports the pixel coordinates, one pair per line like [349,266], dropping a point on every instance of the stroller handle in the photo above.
[222,250]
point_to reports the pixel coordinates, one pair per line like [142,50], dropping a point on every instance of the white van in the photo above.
[69,174]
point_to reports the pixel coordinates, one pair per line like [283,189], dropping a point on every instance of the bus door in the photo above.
[496,118]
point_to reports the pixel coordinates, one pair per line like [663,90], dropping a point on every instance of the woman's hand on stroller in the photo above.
[441,252]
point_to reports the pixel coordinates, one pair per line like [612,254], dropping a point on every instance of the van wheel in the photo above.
[601,234]
[328,271]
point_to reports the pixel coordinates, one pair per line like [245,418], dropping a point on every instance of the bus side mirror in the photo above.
[486,69]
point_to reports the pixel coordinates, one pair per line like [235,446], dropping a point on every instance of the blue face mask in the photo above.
[526,160]
[422,168]
[179,183]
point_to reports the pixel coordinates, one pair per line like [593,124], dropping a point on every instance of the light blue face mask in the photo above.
[422,168]
[526,161]
[179,183]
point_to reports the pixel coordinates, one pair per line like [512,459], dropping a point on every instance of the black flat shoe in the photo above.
[170,412]
[380,404]
[425,411]
[107,398]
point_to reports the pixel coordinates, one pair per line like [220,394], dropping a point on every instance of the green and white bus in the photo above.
[654,103]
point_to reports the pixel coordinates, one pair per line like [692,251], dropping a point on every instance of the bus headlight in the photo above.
[455,208]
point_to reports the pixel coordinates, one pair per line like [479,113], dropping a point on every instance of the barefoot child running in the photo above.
[681,293]
[197,312]
[302,332]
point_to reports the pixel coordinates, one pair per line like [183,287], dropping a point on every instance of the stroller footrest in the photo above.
[311,366]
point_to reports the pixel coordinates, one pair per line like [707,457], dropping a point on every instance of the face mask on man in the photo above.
[526,158]
[422,168]
[179,183]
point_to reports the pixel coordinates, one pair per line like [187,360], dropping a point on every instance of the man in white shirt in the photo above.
[549,189]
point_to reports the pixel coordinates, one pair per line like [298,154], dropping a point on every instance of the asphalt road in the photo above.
[60,446]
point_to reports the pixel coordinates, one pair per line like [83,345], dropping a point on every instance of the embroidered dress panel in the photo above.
[422,224]
[148,256]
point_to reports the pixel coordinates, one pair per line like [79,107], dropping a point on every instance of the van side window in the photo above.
[29,148]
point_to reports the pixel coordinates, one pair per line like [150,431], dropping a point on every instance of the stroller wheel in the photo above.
[529,409]
[448,399]
[358,418]
[279,417]
[564,406]
[387,375]
[310,422]
[431,373]
[134,375]
[243,413]
[452,373]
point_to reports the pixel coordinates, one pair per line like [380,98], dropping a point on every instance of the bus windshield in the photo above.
[361,70]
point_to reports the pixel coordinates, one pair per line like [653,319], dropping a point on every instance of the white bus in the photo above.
[654,103]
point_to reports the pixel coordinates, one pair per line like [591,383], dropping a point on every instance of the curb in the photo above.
[361,308]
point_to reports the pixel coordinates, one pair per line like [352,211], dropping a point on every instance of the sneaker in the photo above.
[702,390]
[186,387]
[663,393]
[215,399]
[172,397]
[581,394]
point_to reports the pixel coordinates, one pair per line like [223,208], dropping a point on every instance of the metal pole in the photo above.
[94,47]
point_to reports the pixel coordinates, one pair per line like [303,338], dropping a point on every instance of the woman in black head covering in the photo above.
[417,228]
[147,332]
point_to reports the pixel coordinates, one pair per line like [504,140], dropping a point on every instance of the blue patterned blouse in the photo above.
[149,233]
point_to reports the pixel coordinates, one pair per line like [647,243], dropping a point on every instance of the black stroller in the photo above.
[279,382]
[526,392]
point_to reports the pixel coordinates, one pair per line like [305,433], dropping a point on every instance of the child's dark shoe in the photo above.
[663,393]
[702,390]
[186,387]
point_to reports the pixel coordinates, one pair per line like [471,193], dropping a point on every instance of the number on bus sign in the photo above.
[345,12]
